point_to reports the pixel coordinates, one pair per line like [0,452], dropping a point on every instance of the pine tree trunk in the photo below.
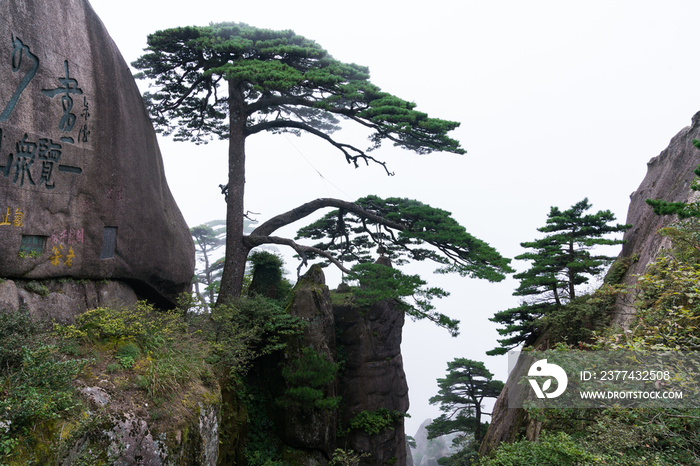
[236,251]
[477,414]
[571,272]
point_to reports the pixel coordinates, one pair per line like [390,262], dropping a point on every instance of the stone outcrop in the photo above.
[82,188]
[304,427]
[373,377]
[669,176]
[122,437]
[365,342]
[507,424]
[61,300]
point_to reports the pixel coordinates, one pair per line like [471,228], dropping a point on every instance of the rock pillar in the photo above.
[369,339]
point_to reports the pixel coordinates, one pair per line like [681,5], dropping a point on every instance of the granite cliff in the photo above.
[669,177]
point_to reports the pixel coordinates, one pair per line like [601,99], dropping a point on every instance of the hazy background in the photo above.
[558,100]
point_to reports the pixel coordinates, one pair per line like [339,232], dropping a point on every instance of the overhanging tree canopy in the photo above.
[401,230]
[231,80]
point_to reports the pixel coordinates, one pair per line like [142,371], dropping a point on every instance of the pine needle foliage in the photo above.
[684,210]
[560,261]
[284,83]
[460,396]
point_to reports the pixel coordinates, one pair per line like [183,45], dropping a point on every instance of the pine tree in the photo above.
[560,261]
[460,396]
[208,238]
[233,81]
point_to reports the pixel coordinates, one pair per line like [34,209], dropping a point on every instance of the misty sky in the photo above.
[558,100]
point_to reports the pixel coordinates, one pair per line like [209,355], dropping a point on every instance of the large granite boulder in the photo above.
[82,187]
[62,300]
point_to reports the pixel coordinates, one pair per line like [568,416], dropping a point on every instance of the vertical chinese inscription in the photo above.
[85,114]
[17,221]
[69,87]
[32,244]
[19,51]
[36,160]
[24,159]
[49,153]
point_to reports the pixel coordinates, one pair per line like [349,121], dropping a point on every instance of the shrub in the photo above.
[114,367]
[128,354]
[249,328]
[555,449]
[373,422]
[15,331]
[307,379]
[174,355]
[38,388]
[347,457]
[577,321]
[268,280]
[38,288]
[140,323]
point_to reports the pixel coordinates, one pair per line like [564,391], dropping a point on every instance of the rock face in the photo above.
[669,176]
[62,300]
[82,188]
[507,424]
[366,343]
[373,377]
[303,427]
[125,438]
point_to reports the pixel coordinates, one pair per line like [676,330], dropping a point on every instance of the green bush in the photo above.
[140,323]
[577,321]
[347,457]
[35,379]
[373,422]
[38,389]
[174,355]
[267,277]
[114,367]
[128,354]
[249,328]
[15,331]
[38,288]
[555,449]
[307,380]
